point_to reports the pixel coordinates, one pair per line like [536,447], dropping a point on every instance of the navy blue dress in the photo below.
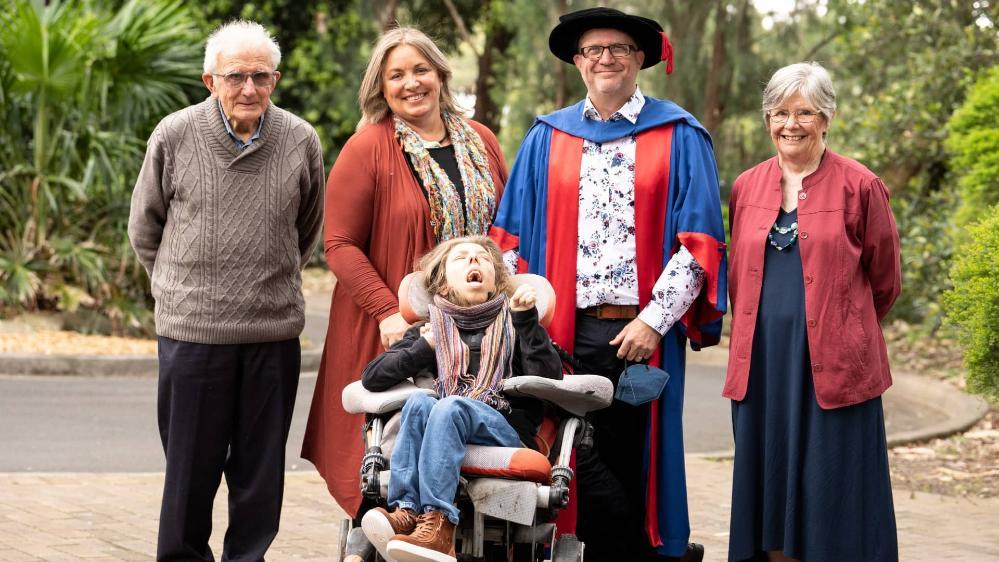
[809,482]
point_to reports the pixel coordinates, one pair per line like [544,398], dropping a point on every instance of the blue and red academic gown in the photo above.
[676,202]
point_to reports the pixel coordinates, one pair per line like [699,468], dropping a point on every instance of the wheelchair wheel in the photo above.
[567,548]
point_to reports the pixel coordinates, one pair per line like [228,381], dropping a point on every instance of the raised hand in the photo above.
[524,298]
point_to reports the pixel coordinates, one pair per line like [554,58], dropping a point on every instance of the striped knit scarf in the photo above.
[445,205]
[495,358]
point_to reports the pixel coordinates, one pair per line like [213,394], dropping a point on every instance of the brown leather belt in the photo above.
[612,311]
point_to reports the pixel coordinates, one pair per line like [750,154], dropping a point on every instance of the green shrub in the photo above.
[973,304]
[974,145]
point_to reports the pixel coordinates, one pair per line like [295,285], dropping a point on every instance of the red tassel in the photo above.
[667,53]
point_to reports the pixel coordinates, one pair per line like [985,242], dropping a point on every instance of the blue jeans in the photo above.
[426,461]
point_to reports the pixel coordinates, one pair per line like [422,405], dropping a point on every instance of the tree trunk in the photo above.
[714,108]
[487,111]
[561,78]
[390,15]
[459,22]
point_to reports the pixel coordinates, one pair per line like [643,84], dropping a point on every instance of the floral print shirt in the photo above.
[606,261]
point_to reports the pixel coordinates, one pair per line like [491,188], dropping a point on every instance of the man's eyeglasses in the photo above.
[260,79]
[617,50]
[803,116]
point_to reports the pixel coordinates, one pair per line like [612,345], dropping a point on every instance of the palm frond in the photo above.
[43,48]
[20,273]
[155,57]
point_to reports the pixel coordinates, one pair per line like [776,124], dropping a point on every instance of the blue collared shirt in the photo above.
[239,142]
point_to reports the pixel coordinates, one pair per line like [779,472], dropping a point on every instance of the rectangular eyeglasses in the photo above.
[237,79]
[617,50]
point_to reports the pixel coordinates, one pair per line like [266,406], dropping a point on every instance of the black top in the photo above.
[445,158]
[533,354]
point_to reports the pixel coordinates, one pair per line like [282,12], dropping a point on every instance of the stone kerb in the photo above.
[102,365]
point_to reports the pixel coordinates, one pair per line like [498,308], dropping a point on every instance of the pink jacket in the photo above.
[850,262]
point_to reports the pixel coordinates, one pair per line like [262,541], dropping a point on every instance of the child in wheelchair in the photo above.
[482,330]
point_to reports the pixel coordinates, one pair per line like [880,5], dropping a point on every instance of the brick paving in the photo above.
[66,516]
[100,517]
[930,527]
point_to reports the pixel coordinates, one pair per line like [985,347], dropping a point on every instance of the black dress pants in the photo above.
[224,409]
[609,475]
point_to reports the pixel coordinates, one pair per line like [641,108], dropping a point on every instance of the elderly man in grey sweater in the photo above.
[225,213]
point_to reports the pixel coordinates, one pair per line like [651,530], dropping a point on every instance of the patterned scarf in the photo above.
[495,358]
[445,205]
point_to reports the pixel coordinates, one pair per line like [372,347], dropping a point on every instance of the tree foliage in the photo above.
[81,86]
[901,70]
[904,68]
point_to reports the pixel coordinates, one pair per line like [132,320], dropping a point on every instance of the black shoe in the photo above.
[695,553]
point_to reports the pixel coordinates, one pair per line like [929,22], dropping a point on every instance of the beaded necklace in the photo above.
[783,230]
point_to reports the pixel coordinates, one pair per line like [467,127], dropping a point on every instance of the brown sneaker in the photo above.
[381,525]
[432,541]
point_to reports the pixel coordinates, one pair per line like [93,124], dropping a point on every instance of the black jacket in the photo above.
[533,354]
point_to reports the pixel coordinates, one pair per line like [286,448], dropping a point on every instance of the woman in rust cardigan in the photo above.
[416,173]
[814,269]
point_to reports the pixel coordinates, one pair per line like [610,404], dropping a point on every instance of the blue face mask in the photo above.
[640,384]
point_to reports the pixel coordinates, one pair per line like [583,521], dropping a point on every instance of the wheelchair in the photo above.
[508,496]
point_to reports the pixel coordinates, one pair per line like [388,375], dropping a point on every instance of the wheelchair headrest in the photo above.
[414,298]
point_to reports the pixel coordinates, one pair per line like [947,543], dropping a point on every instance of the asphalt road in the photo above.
[82,424]
[74,424]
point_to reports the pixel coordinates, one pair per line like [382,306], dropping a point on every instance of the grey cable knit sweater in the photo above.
[224,233]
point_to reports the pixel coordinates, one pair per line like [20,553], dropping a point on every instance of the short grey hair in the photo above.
[810,80]
[374,108]
[240,36]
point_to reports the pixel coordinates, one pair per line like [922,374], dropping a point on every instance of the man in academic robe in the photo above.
[615,200]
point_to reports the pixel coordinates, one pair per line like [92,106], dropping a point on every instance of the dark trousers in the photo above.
[224,409]
[610,474]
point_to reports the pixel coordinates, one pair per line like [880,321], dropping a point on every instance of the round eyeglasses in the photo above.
[260,78]
[802,116]
[617,50]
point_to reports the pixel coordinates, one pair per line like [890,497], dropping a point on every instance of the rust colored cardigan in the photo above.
[850,263]
[377,224]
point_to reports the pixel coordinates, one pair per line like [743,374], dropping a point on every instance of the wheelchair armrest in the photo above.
[576,394]
[358,400]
